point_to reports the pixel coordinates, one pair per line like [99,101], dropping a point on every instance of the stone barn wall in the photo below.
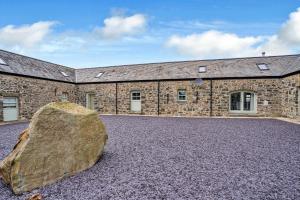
[105,96]
[267,91]
[197,103]
[275,97]
[32,93]
[290,100]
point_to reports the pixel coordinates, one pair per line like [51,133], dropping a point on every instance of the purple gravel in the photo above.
[182,158]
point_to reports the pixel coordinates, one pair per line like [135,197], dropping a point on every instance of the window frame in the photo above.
[263,66]
[90,100]
[242,111]
[135,92]
[178,96]
[202,69]
[64,74]
[99,74]
[64,97]
[3,62]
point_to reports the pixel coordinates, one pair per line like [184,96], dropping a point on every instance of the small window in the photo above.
[263,66]
[136,95]
[99,75]
[181,95]
[64,97]
[202,69]
[64,74]
[2,62]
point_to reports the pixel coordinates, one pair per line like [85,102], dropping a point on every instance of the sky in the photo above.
[93,33]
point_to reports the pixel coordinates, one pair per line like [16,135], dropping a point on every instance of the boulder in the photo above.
[62,139]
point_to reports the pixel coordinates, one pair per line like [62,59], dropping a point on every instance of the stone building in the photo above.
[254,86]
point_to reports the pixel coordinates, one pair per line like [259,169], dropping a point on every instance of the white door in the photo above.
[10,109]
[90,101]
[136,105]
[298,101]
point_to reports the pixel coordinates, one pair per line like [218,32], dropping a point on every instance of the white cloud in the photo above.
[220,44]
[213,43]
[118,26]
[25,35]
[290,31]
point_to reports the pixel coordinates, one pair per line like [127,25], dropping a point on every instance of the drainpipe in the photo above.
[211,98]
[116,98]
[158,96]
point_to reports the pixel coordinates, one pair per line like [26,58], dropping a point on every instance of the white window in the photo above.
[243,102]
[99,75]
[2,62]
[202,69]
[64,97]
[64,74]
[263,66]
[10,109]
[135,95]
[181,95]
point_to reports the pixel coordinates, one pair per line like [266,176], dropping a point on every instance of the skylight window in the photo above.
[99,75]
[263,66]
[202,69]
[2,62]
[64,74]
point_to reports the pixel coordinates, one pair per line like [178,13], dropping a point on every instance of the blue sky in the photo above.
[113,32]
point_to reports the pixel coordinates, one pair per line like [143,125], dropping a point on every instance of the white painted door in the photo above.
[10,109]
[90,101]
[136,105]
[298,101]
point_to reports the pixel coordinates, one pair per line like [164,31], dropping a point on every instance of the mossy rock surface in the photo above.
[62,139]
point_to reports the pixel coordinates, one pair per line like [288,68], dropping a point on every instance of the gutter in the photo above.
[158,97]
[116,98]
[152,80]
[211,98]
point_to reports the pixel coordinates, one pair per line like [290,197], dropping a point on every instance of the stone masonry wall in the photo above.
[148,97]
[268,90]
[105,96]
[32,93]
[290,96]
[197,103]
[268,94]
[275,97]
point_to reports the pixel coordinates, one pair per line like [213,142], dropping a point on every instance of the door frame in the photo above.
[17,107]
[298,101]
[87,102]
[131,100]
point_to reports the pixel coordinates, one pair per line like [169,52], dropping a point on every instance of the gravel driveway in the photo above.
[183,158]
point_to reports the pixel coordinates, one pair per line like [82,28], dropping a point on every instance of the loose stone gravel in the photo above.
[182,158]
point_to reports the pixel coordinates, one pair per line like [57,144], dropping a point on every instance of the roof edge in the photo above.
[37,59]
[154,80]
[181,61]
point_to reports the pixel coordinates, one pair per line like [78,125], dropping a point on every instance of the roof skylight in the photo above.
[2,62]
[99,75]
[263,66]
[64,74]
[202,69]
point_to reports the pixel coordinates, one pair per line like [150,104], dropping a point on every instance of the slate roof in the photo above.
[218,68]
[23,65]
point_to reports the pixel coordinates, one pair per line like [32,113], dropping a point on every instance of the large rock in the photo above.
[62,139]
